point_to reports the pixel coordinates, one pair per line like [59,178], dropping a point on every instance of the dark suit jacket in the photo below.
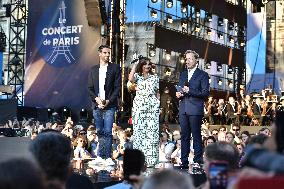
[112,84]
[257,110]
[230,110]
[192,102]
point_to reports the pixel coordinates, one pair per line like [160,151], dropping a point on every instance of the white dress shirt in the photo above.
[190,72]
[102,81]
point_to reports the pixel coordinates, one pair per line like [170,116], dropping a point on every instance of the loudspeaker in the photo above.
[8,110]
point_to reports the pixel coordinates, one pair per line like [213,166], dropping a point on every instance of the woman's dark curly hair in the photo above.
[143,61]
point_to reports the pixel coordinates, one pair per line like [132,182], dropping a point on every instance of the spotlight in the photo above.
[154,1]
[231,25]
[219,67]
[197,13]
[208,65]
[154,14]
[242,43]
[169,3]
[183,23]
[220,21]
[151,50]
[169,19]
[168,55]
[220,82]
[209,32]
[208,17]
[168,72]
[221,36]
[183,9]
[230,69]
[241,32]
[231,39]
[66,112]
[181,59]
[197,28]
[49,112]
[230,83]
[83,114]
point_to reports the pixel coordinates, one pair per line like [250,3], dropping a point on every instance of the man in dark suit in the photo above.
[194,91]
[104,86]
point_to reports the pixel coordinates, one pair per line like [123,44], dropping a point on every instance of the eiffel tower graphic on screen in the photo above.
[61,49]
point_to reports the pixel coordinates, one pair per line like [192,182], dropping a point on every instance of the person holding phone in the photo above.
[221,163]
[192,92]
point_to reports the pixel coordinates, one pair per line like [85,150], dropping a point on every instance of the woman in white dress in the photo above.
[145,111]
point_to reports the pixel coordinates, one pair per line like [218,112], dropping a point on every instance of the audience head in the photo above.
[222,151]
[20,174]
[230,137]
[245,136]
[80,141]
[223,129]
[215,133]
[241,148]
[265,131]
[168,179]
[236,130]
[133,163]
[209,140]
[276,141]
[52,150]
[176,135]
[221,136]
[258,139]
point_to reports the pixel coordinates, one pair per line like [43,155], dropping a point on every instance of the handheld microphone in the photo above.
[135,59]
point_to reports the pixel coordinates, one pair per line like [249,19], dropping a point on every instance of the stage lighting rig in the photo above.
[154,1]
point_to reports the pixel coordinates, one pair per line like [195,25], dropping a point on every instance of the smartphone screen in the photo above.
[218,175]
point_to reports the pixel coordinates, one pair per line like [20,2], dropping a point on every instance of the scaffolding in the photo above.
[16,54]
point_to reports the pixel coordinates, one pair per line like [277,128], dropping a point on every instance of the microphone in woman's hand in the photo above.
[136,58]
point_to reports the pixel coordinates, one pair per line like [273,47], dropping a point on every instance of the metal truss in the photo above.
[16,56]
